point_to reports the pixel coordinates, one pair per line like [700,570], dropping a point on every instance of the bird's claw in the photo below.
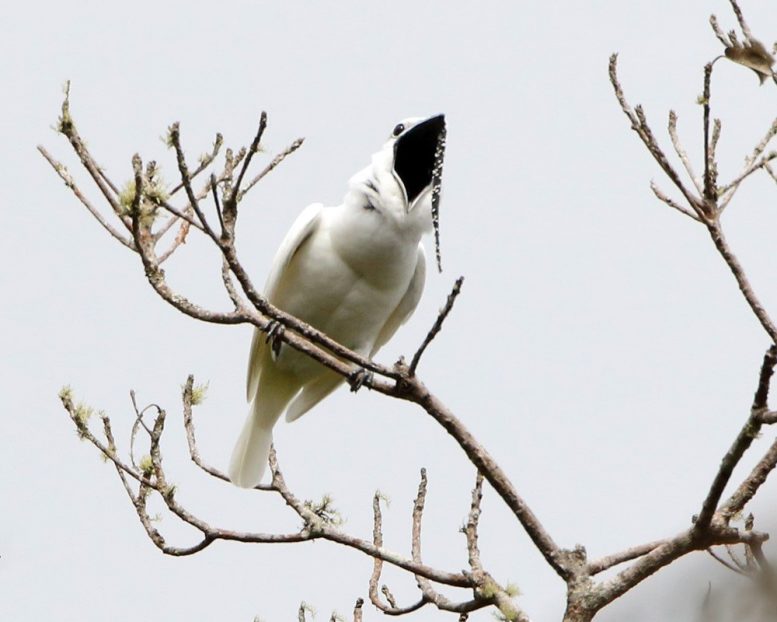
[360,378]
[274,332]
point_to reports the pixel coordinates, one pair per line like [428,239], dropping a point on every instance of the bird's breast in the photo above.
[346,282]
[373,246]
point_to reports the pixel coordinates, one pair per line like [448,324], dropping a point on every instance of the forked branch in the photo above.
[140,217]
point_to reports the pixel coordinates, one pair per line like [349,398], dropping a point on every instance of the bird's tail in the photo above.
[252,450]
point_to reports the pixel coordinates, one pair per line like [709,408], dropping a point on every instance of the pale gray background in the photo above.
[600,348]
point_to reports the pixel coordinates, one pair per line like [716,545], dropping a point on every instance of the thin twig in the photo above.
[180,215]
[67,127]
[215,191]
[718,32]
[600,565]
[194,452]
[65,176]
[716,128]
[710,192]
[137,424]
[761,397]
[229,285]
[471,528]
[751,484]
[418,513]
[716,233]
[169,224]
[663,555]
[267,169]
[671,203]
[429,594]
[416,392]
[384,589]
[183,169]
[727,193]
[315,526]
[732,554]
[318,528]
[377,539]
[357,610]
[302,611]
[740,445]
[681,153]
[762,144]
[756,548]
[727,564]
[640,126]
[741,19]
[205,162]
[377,563]
[437,325]
[771,171]
[230,203]
[180,239]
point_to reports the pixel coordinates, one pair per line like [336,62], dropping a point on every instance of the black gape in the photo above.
[414,155]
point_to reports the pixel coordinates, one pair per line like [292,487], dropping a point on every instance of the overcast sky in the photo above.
[600,349]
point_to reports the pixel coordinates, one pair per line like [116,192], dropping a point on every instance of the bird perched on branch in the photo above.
[355,272]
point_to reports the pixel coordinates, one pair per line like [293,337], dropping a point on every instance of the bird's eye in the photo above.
[400,127]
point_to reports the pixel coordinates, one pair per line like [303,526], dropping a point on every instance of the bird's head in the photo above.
[417,146]
[404,177]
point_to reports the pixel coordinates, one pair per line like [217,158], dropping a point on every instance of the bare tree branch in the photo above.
[145,478]
[741,19]
[681,153]
[671,203]
[357,610]
[710,190]
[727,564]
[63,173]
[230,204]
[67,128]
[183,169]
[600,565]
[747,489]
[180,238]
[743,441]
[718,32]
[716,233]
[205,162]
[271,166]
[640,126]
[437,325]
[377,539]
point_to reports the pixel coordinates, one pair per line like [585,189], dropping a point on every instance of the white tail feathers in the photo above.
[249,458]
[252,451]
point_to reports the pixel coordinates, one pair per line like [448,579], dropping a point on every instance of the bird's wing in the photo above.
[406,306]
[300,231]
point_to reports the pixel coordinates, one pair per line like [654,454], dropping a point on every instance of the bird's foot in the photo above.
[274,332]
[360,378]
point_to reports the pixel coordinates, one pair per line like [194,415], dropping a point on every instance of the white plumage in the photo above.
[355,271]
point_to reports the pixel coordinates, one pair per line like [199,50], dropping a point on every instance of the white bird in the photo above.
[355,272]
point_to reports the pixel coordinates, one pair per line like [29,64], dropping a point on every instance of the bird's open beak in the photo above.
[418,153]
